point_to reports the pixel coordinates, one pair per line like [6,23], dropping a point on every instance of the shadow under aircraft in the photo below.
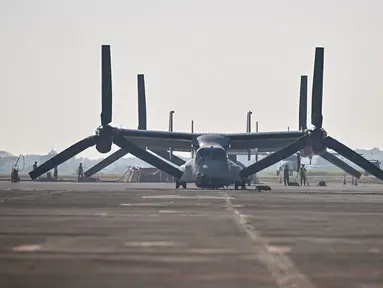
[211,168]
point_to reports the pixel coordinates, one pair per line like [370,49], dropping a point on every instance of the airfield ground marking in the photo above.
[284,271]
[6,199]
[20,197]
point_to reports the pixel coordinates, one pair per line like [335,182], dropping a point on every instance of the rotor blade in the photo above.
[275,157]
[106,85]
[106,162]
[341,164]
[141,102]
[147,157]
[317,92]
[303,104]
[353,157]
[166,155]
[63,156]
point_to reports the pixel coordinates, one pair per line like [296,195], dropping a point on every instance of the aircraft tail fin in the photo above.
[248,122]
[171,121]
[248,130]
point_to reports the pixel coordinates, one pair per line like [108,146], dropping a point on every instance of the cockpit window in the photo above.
[216,154]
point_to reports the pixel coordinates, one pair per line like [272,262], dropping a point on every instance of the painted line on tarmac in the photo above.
[203,197]
[6,199]
[281,267]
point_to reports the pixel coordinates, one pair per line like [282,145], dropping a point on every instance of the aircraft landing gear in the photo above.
[240,184]
[179,183]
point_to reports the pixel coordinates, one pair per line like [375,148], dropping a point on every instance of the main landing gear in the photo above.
[240,184]
[179,183]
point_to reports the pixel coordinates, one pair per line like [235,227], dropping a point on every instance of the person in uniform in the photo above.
[279,173]
[80,172]
[286,174]
[35,167]
[55,173]
[303,175]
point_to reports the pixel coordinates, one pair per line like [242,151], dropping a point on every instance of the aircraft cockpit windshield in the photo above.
[211,153]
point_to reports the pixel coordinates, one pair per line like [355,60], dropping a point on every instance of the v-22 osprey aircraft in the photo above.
[211,167]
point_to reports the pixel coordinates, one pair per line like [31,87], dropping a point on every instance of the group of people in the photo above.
[302,171]
[80,172]
[55,171]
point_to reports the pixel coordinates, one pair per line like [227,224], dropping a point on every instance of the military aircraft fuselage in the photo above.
[211,168]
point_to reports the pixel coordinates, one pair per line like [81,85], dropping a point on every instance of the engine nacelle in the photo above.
[105,139]
[104,146]
[315,145]
[317,141]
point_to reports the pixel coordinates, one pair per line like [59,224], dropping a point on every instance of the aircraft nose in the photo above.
[214,170]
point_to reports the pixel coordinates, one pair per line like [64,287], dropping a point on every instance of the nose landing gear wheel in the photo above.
[239,184]
[179,183]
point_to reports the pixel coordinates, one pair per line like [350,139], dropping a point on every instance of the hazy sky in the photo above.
[209,60]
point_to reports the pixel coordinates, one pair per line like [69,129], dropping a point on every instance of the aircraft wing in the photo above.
[179,141]
[182,141]
[264,141]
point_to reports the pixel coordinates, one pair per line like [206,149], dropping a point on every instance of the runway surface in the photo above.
[151,235]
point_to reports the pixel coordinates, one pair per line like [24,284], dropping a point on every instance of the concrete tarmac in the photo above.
[151,235]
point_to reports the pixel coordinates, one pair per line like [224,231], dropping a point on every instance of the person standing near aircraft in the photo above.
[80,172]
[303,175]
[286,174]
[35,167]
[55,173]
